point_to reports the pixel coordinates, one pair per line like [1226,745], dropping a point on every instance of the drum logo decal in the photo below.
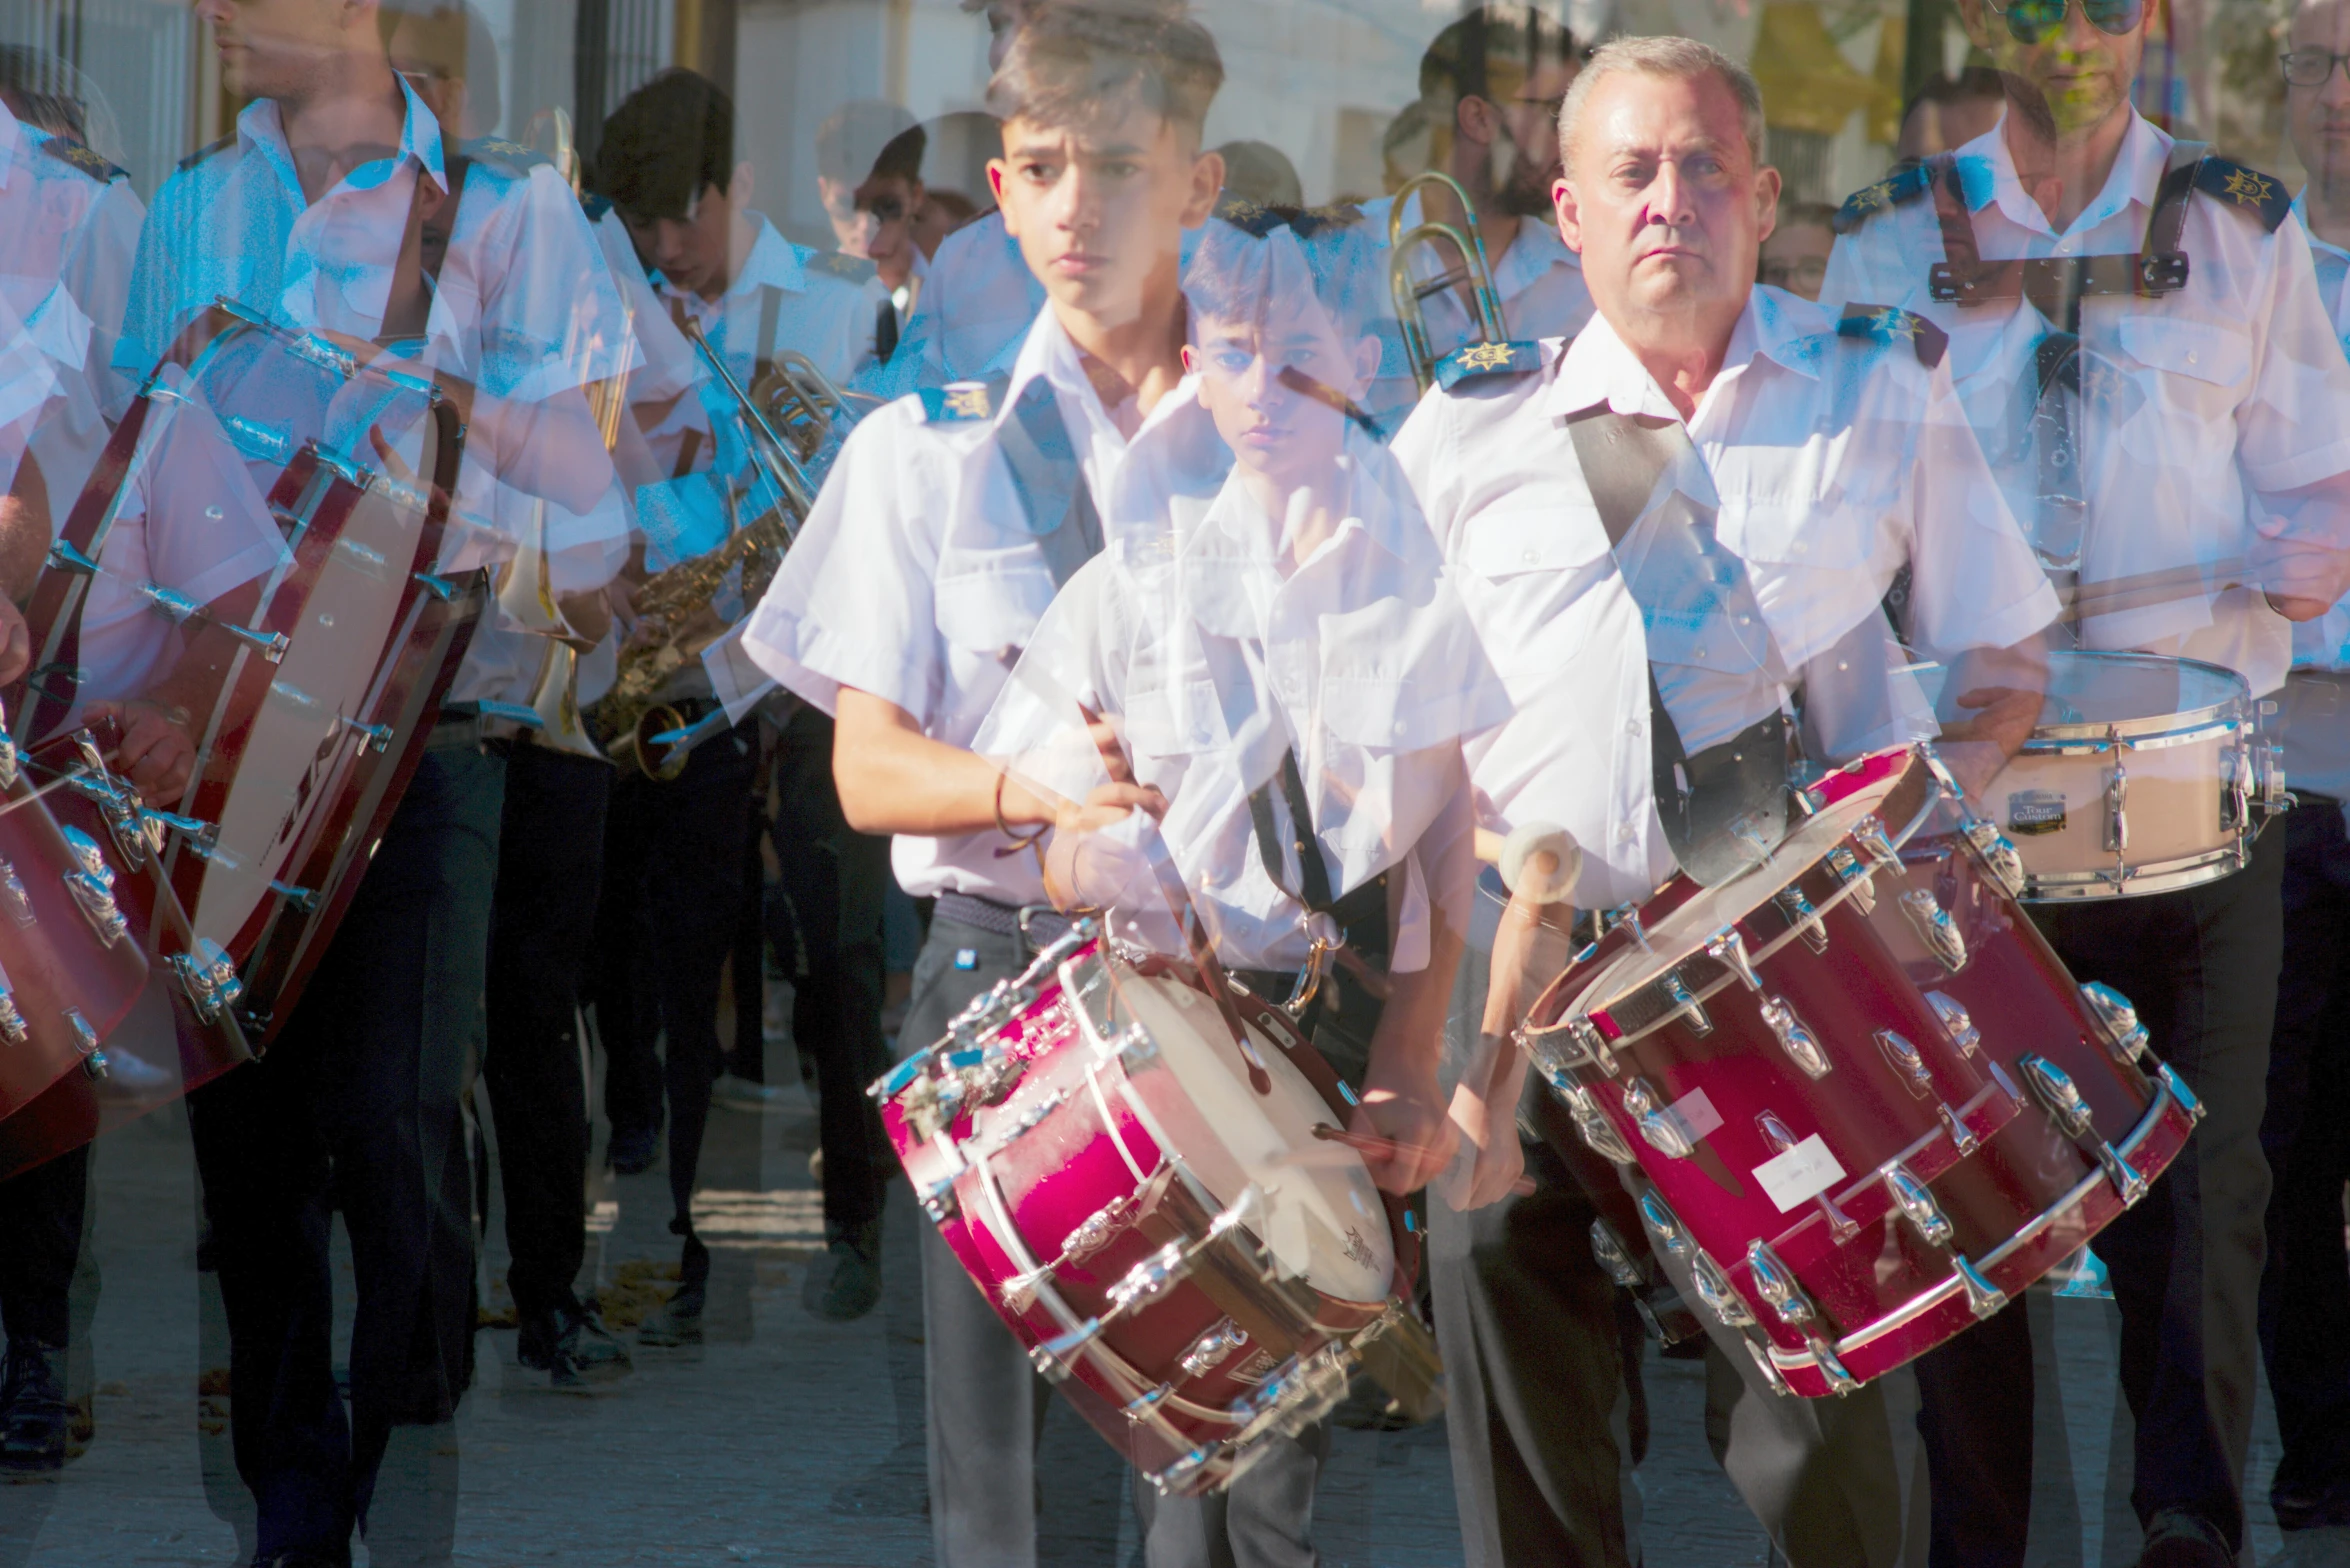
[1357,1248]
[2035,811]
[1255,1369]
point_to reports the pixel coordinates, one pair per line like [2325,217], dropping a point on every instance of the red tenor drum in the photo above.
[70,969]
[1152,1212]
[1865,1102]
[312,731]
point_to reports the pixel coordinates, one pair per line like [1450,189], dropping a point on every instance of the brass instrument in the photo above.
[1410,293]
[789,415]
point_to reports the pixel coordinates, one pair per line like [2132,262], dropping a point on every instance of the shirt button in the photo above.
[1624,834]
[1527,558]
[2190,356]
[1701,655]
[1632,726]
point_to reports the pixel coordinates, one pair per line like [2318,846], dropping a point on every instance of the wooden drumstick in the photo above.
[1369,1143]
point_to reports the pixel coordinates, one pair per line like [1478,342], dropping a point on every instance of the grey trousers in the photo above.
[984,1402]
[1263,1520]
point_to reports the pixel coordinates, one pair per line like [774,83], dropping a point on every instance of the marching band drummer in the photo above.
[949,522]
[304,215]
[2159,385]
[1715,419]
[1289,678]
[674,864]
[2305,1128]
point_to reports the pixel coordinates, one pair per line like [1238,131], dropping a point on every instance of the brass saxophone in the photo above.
[793,417]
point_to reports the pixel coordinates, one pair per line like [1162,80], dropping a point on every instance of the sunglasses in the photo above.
[2034,22]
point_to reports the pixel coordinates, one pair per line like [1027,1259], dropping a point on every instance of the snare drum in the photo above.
[1149,1208]
[1860,1100]
[2146,774]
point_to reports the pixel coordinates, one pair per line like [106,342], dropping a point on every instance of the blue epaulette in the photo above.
[1257,219]
[202,153]
[856,269]
[595,205]
[75,156]
[1476,360]
[962,402]
[1900,186]
[2244,189]
[505,156]
[1888,325]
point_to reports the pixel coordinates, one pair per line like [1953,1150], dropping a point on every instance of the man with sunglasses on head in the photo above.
[2305,1131]
[2138,338]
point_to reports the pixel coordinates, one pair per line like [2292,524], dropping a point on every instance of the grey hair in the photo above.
[1663,56]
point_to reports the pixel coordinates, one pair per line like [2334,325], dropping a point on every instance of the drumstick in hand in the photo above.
[1366,1143]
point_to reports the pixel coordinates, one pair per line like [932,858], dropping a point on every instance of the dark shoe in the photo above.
[300,1560]
[2181,1540]
[851,1287]
[633,1149]
[572,1346]
[34,1420]
[678,1321]
[2329,1508]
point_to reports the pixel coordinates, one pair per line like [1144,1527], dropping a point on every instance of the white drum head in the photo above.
[1673,938]
[1324,1220]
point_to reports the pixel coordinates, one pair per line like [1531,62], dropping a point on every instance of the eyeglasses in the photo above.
[1805,273]
[2034,22]
[2310,67]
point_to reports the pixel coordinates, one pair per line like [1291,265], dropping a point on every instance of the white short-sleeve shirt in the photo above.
[2200,409]
[1361,665]
[1826,463]
[916,578]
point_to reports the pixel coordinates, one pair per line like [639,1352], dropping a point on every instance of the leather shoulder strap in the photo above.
[1621,459]
[424,246]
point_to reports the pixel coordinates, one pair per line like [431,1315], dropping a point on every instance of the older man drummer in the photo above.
[1804,461]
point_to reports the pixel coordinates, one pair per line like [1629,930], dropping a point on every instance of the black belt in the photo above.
[1039,925]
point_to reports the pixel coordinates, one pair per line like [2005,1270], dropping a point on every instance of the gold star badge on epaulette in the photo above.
[1894,322]
[1485,359]
[75,156]
[2248,189]
[854,268]
[967,402]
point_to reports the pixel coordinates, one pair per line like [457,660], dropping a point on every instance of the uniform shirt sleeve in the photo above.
[2293,431]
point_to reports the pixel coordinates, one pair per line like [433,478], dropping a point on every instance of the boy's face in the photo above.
[693,252]
[1795,257]
[275,48]
[875,220]
[1097,211]
[433,63]
[2319,116]
[1278,388]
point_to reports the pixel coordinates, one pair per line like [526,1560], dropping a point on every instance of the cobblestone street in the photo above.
[788,1440]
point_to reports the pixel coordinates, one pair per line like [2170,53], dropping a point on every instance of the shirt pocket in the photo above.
[988,602]
[1507,543]
[1174,718]
[1387,713]
[1521,572]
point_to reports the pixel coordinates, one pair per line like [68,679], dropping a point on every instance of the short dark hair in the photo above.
[40,89]
[860,140]
[1072,63]
[1459,61]
[666,143]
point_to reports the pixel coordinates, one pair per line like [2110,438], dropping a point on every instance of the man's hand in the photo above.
[16,643]
[157,753]
[1976,749]
[1403,1107]
[1486,1118]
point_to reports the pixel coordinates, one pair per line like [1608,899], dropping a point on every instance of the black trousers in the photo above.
[357,1106]
[550,861]
[831,893]
[2201,965]
[672,894]
[41,1213]
[2305,1132]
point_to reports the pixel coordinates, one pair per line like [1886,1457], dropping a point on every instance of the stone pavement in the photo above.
[784,1439]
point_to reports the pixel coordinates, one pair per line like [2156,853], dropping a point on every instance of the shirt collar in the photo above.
[1598,367]
[12,144]
[773,262]
[1536,249]
[260,128]
[2324,247]
[1987,170]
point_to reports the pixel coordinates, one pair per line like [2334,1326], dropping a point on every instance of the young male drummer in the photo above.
[2305,1130]
[303,215]
[2137,336]
[1804,460]
[950,522]
[1289,680]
